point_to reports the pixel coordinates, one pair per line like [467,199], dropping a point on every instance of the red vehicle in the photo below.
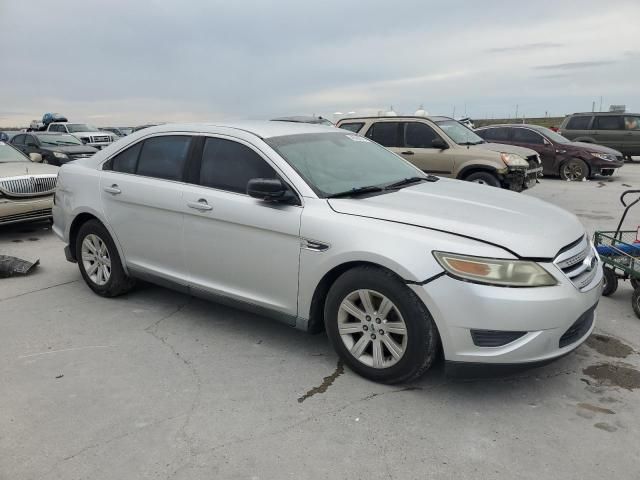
[559,156]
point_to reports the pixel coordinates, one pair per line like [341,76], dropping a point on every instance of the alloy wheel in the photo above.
[573,171]
[96,259]
[372,328]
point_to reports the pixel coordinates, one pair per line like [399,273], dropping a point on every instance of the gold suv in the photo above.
[442,146]
[26,186]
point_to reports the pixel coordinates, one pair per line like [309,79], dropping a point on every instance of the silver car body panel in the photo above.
[273,257]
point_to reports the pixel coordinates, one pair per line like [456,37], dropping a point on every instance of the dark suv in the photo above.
[617,130]
[559,156]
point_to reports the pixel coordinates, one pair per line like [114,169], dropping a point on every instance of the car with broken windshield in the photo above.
[322,228]
[444,147]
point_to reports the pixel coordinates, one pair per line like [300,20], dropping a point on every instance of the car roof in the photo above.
[262,129]
[526,125]
[300,119]
[433,118]
[603,113]
[38,132]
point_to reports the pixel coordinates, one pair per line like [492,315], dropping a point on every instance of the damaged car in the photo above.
[443,146]
[26,186]
[322,228]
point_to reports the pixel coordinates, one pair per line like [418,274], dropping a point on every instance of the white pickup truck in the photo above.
[85,133]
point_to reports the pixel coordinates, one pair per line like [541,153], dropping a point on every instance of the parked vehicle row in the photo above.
[87,134]
[395,263]
[559,156]
[443,146]
[55,148]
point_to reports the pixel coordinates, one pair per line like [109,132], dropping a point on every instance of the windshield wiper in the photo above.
[471,143]
[357,191]
[410,180]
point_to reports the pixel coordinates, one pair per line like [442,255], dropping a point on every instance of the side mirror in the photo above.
[268,189]
[35,157]
[439,144]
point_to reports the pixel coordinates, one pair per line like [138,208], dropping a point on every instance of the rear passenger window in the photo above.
[608,123]
[125,162]
[18,140]
[419,135]
[497,134]
[522,135]
[352,127]
[387,134]
[229,165]
[164,157]
[578,123]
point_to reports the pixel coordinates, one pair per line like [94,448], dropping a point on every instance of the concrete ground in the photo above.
[159,385]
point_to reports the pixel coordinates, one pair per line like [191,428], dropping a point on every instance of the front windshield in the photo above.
[553,136]
[338,162]
[58,139]
[80,127]
[459,133]
[9,154]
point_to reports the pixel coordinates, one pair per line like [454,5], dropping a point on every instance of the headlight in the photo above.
[513,160]
[60,155]
[604,156]
[490,271]
[85,139]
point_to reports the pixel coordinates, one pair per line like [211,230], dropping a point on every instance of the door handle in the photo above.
[408,152]
[201,205]
[113,189]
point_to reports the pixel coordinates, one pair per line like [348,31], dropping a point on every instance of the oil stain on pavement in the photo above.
[326,383]
[609,346]
[613,375]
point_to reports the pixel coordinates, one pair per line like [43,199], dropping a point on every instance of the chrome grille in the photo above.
[28,185]
[579,262]
[75,156]
[100,138]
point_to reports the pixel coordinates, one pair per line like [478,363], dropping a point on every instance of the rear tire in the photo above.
[635,302]
[99,262]
[635,283]
[610,281]
[574,170]
[483,178]
[379,327]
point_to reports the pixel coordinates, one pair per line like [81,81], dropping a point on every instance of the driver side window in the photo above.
[419,135]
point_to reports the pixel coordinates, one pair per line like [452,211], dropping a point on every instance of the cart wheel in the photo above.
[635,283]
[610,281]
[635,302]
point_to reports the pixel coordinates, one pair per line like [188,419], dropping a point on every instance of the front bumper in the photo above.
[543,314]
[26,209]
[519,179]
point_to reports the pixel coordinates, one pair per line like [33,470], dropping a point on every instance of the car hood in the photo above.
[591,147]
[14,169]
[500,147]
[71,149]
[522,224]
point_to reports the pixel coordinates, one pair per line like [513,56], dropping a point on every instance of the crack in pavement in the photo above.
[326,383]
[181,434]
[39,290]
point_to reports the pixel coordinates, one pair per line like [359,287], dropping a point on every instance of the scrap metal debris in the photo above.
[10,266]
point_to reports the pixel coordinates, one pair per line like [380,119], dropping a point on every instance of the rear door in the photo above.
[608,130]
[577,127]
[142,197]
[237,246]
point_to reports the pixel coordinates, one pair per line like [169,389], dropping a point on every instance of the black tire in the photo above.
[635,302]
[610,282]
[422,339]
[635,283]
[118,282]
[484,178]
[574,170]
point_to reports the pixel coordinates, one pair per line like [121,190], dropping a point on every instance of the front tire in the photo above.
[635,302]
[379,327]
[574,170]
[610,281]
[483,178]
[99,262]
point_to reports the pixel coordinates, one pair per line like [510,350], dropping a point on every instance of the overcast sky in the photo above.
[128,62]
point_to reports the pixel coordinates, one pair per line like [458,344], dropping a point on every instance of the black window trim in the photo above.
[620,123]
[361,123]
[433,129]
[508,128]
[589,123]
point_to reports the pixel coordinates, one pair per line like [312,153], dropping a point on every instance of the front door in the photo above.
[142,197]
[525,137]
[237,246]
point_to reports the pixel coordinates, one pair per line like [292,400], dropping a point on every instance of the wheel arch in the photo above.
[318,299]
[468,170]
[82,218]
